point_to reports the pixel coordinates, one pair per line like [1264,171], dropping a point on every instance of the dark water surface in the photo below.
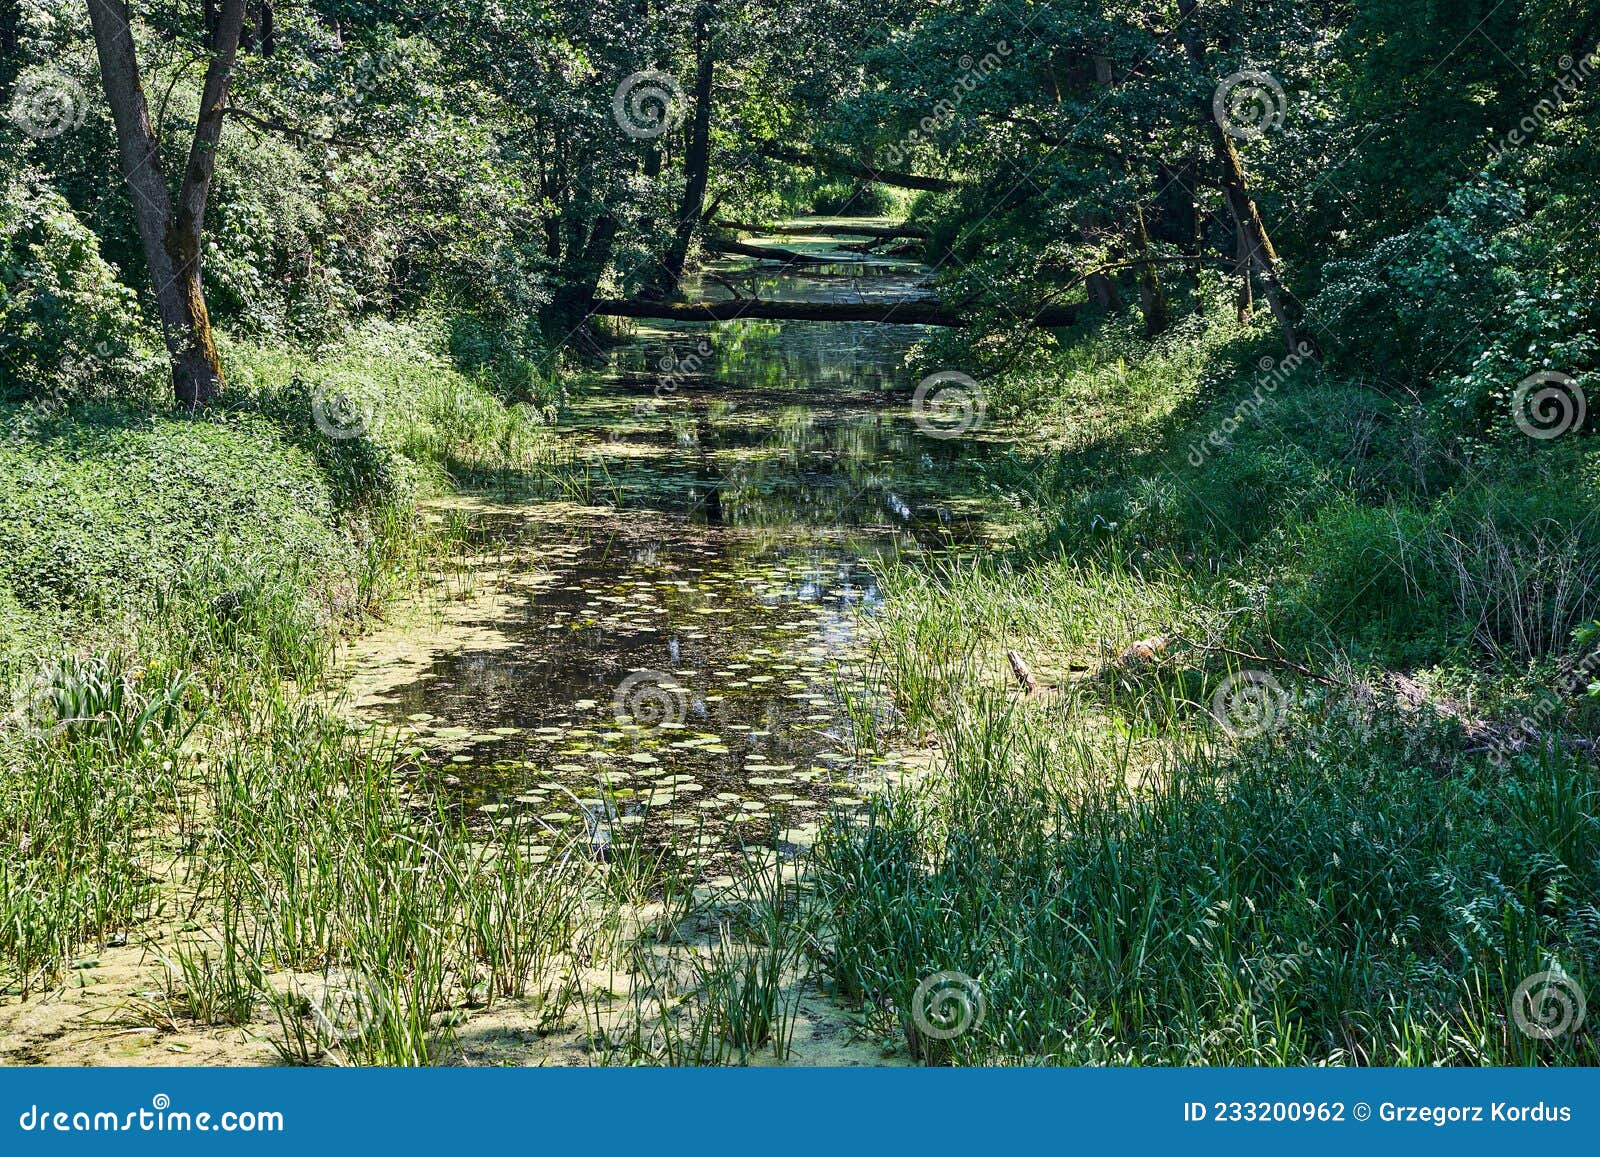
[682,669]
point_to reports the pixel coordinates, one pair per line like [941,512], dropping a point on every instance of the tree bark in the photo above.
[1152,299]
[881,232]
[170,232]
[772,253]
[1263,257]
[574,298]
[696,159]
[833,163]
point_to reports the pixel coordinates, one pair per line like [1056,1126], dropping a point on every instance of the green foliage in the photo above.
[1400,305]
[1508,570]
[386,412]
[68,328]
[850,199]
[1331,896]
[68,483]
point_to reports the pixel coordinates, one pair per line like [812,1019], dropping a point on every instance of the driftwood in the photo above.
[906,311]
[1024,676]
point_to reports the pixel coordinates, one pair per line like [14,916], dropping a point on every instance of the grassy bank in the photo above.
[173,589]
[1308,772]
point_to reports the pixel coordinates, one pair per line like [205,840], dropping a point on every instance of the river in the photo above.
[675,664]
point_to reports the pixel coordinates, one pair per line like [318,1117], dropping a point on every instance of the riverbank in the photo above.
[1305,770]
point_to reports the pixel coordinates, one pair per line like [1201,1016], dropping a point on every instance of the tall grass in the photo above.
[1352,891]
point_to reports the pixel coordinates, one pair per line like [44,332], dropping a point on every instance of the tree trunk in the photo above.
[696,160]
[573,302]
[1152,299]
[879,232]
[1236,191]
[10,57]
[833,163]
[1102,290]
[772,253]
[170,234]
[1246,300]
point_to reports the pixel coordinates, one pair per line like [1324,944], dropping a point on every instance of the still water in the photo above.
[678,664]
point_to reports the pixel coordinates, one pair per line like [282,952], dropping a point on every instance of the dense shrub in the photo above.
[209,493]
[68,328]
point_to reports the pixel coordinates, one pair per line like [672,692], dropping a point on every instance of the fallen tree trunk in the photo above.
[915,311]
[833,163]
[885,232]
[771,253]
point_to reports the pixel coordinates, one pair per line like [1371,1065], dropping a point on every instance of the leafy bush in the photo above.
[68,328]
[1398,308]
[199,489]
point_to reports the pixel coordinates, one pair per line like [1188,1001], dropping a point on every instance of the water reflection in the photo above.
[755,492]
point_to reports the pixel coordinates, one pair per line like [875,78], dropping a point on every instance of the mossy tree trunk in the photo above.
[170,231]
